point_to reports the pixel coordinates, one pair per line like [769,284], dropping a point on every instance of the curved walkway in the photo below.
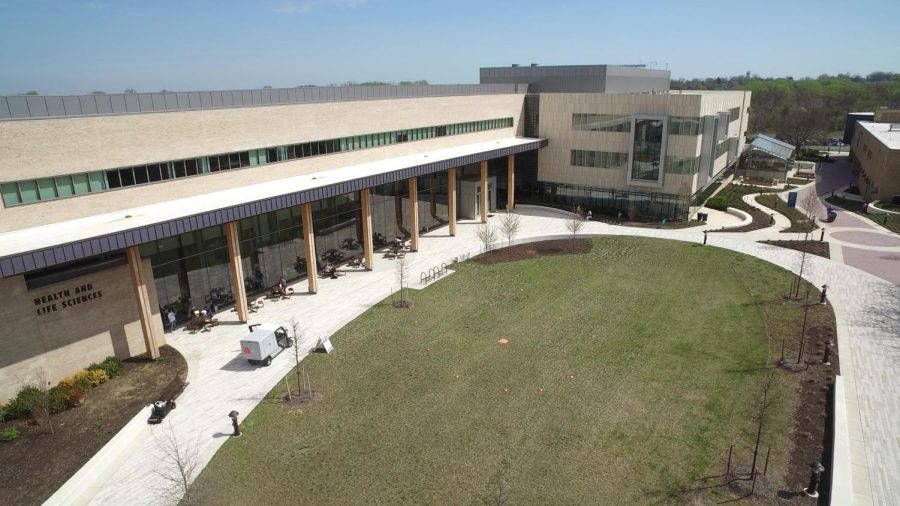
[867,310]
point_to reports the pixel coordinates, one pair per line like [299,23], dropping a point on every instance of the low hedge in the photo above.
[717,203]
[111,365]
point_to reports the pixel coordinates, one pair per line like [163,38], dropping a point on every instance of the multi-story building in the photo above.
[875,155]
[620,141]
[118,209]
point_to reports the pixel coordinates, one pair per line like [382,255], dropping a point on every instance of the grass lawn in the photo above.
[629,371]
[732,196]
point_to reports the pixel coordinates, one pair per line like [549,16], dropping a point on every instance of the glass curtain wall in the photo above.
[190,271]
[608,201]
[647,149]
[432,201]
[389,207]
[272,246]
[337,222]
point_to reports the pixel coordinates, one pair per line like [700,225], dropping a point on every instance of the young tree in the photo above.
[810,205]
[760,417]
[295,334]
[402,275]
[509,224]
[801,263]
[487,234]
[574,225]
[41,411]
[181,465]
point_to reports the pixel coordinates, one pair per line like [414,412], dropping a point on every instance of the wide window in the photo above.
[647,148]
[681,125]
[601,122]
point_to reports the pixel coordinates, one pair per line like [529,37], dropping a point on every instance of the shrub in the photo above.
[9,433]
[2,412]
[83,380]
[66,384]
[111,365]
[98,376]
[76,396]
[28,398]
[718,203]
[58,399]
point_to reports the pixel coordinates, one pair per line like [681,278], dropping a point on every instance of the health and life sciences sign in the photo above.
[66,298]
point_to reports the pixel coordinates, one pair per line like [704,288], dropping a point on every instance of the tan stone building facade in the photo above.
[112,221]
[875,154]
[120,211]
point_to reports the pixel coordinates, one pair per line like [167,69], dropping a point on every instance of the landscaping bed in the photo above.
[35,464]
[888,221]
[818,248]
[800,223]
[732,196]
[621,374]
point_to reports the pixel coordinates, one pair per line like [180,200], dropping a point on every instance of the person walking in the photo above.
[171,317]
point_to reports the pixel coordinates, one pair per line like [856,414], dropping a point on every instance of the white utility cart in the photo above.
[264,342]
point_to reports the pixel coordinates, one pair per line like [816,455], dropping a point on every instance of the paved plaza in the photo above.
[867,311]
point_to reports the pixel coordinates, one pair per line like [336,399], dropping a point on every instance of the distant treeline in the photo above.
[805,110]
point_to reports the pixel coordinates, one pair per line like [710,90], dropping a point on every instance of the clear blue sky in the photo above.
[79,46]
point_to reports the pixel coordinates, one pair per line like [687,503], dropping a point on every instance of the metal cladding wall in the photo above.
[34,106]
[850,123]
[580,78]
[39,259]
[561,79]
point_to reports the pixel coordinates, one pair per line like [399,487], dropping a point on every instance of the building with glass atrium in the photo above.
[118,209]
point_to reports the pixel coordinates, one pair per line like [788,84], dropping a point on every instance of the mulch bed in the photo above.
[813,247]
[37,463]
[812,420]
[814,416]
[536,249]
[760,220]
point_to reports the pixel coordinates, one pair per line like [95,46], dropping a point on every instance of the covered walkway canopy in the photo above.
[39,247]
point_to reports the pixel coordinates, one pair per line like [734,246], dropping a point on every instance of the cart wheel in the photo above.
[268,361]
[171,404]
[290,342]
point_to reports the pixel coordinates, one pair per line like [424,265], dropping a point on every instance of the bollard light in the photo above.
[704,237]
[234,422]
[822,296]
[815,476]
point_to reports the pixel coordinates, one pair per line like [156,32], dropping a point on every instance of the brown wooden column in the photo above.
[451,200]
[142,298]
[484,195]
[366,205]
[414,214]
[237,271]
[309,240]
[511,183]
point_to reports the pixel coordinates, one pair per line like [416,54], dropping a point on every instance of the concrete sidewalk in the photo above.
[867,311]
